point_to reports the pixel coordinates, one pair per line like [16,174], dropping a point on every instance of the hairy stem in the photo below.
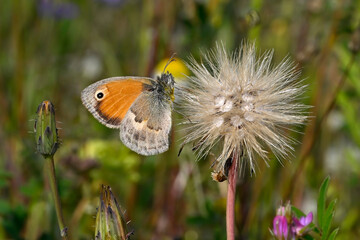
[55,193]
[230,202]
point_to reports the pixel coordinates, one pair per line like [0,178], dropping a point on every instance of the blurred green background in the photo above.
[52,49]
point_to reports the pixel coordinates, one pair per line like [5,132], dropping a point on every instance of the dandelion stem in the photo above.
[230,202]
[55,193]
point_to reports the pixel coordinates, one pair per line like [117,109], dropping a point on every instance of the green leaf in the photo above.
[329,214]
[316,230]
[321,202]
[333,234]
[308,237]
[298,213]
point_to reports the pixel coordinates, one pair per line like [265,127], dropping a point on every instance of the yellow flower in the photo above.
[177,68]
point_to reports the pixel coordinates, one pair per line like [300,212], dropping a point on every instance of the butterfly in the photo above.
[140,107]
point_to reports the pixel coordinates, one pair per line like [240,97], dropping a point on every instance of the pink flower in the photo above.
[301,224]
[280,227]
[306,220]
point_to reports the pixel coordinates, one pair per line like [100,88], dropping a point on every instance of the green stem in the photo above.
[55,193]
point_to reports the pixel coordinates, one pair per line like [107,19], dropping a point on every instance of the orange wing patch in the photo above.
[115,98]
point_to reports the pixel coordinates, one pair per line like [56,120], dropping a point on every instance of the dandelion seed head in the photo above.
[243,103]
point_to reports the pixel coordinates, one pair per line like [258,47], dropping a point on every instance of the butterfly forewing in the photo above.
[110,99]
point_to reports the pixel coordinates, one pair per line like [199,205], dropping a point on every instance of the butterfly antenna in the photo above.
[172,59]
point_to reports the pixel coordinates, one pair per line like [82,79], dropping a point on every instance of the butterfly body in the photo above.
[139,107]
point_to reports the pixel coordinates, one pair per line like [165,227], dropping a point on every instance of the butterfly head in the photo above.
[165,86]
[166,82]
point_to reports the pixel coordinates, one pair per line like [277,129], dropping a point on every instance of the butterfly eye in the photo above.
[99,95]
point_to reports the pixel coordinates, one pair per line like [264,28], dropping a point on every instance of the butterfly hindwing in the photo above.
[146,127]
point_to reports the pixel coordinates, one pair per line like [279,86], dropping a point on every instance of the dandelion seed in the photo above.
[242,103]
[218,121]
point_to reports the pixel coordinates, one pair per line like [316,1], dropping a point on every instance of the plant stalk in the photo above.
[230,202]
[55,193]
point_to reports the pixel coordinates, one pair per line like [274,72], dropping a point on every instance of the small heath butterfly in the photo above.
[140,107]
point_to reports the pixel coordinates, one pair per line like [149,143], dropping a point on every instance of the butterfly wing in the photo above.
[110,99]
[146,126]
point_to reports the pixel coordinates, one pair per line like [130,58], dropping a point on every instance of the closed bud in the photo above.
[46,135]
[285,211]
[110,220]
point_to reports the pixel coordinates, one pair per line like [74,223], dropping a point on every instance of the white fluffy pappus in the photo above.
[242,103]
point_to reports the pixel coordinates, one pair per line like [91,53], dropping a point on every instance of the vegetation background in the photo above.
[51,50]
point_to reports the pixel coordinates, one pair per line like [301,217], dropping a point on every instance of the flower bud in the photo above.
[46,135]
[285,211]
[110,220]
[282,222]
[280,227]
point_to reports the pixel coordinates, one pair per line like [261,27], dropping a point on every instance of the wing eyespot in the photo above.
[99,95]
